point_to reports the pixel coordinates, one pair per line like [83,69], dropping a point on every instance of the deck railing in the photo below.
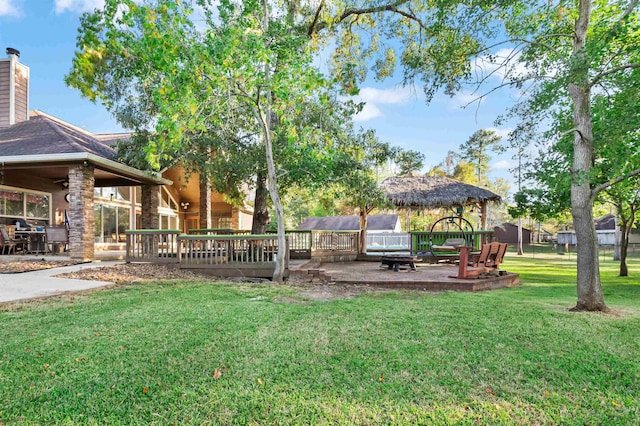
[152,245]
[223,255]
[218,231]
[336,242]
[210,247]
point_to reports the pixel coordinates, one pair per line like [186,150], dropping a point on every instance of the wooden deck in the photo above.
[427,277]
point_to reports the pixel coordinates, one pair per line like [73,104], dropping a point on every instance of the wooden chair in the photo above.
[487,259]
[10,244]
[56,235]
[479,259]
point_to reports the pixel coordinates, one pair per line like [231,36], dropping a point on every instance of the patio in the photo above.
[429,277]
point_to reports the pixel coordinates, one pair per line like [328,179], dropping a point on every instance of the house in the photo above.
[508,233]
[52,173]
[375,223]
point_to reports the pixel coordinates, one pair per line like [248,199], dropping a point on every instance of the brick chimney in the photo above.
[14,89]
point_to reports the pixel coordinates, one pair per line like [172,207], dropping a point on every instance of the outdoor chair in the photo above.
[11,244]
[56,236]
[490,256]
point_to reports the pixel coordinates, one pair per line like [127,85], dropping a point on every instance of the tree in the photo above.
[616,143]
[245,77]
[475,151]
[570,49]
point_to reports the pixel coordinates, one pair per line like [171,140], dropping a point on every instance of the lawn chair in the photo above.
[56,236]
[10,244]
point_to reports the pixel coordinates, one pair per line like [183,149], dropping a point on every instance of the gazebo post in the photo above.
[483,217]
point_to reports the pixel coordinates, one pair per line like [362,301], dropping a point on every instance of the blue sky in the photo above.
[44,31]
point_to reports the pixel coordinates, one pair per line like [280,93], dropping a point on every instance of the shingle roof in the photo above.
[606,222]
[43,134]
[384,222]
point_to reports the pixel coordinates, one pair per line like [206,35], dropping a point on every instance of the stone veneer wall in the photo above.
[150,203]
[205,202]
[81,214]
[235,218]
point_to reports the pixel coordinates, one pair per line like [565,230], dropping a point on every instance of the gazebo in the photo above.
[430,192]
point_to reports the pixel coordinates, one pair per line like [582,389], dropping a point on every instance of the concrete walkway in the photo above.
[30,285]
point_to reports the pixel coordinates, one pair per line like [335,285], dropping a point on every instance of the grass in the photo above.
[203,353]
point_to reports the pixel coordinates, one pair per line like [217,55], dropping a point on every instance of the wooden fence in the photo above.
[227,254]
[152,245]
[221,255]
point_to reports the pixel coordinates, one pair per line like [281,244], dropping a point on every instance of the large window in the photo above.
[110,223]
[22,203]
[168,210]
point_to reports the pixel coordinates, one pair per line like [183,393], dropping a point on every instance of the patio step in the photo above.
[309,272]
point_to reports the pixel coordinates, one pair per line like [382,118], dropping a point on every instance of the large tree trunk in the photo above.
[268,120]
[362,236]
[260,208]
[624,245]
[589,288]
[520,252]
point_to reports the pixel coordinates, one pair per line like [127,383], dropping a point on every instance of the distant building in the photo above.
[508,233]
[375,223]
[606,222]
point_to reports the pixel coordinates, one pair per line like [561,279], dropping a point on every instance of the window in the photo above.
[166,200]
[110,223]
[37,205]
[167,210]
[119,193]
[12,203]
[22,203]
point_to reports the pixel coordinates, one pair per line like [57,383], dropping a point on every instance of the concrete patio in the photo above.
[429,277]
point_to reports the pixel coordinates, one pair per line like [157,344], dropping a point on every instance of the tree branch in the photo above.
[629,9]
[609,184]
[604,74]
[316,16]
[389,7]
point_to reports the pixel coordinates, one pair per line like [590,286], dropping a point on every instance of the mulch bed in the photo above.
[131,272]
[28,265]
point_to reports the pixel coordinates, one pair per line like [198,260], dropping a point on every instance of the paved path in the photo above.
[30,285]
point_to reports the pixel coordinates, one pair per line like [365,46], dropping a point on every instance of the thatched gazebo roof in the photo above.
[434,192]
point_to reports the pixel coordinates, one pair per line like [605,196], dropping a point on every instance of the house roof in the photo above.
[434,192]
[384,222]
[44,144]
[606,222]
[43,134]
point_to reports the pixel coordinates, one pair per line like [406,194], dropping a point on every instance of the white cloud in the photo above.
[503,165]
[9,8]
[369,112]
[78,6]
[385,96]
[373,98]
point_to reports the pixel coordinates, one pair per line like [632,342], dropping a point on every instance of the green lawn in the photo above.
[152,353]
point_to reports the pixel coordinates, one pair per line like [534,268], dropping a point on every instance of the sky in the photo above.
[44,31]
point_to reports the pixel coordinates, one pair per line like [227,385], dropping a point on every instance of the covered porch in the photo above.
[66,185]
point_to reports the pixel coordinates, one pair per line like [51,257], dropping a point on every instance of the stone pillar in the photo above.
[235,218]
[150,203]
[205,201]
[81,214]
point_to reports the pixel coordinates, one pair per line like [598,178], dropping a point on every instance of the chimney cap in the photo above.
[12,51]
